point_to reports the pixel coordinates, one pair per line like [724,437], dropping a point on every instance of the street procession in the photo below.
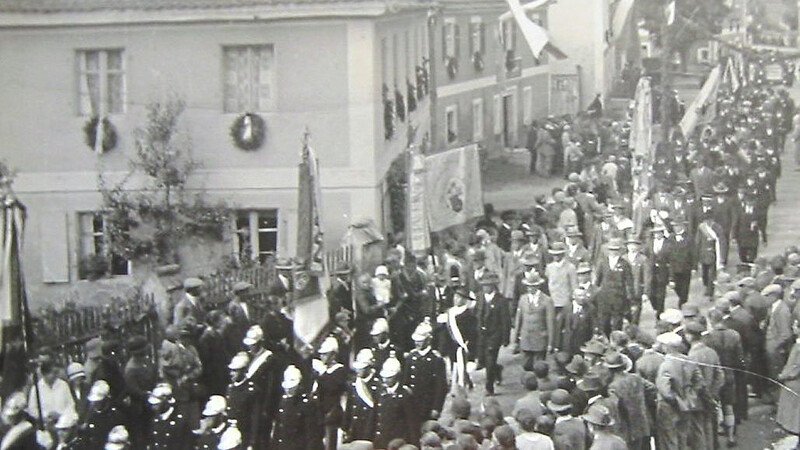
[418,225]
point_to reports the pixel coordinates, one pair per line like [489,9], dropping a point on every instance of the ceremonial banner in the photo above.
[310,279]
[13,300]
[704,107]
[534,35]
[453,187]
[418,232]
[641,139]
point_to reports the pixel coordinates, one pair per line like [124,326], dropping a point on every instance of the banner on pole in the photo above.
[704,107]
[418,232]
[534,35]
[453,187]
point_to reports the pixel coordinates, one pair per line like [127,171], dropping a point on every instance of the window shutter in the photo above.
[457,41]
[54,248]
[482,31]
[444,42]
[471,40]
[498,115]
[513,36]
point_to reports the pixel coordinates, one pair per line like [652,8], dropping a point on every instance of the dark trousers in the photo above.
[610,320]
[748,254]
[560,324]
[532,357]
[657,294]
[489,359]
[709,272]
[331,436]
[682,281]
[762,225]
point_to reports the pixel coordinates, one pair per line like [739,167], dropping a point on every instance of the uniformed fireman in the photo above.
[425,374]
[382,347]
[329,387]
[297,424]
[67,433]
[395,415]
[264,370]
[170,428]
[213,424]
[243,398]
[101,416]
[359,417]
[231,439]
[118,439]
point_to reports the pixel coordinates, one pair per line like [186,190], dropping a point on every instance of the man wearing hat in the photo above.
[341,292]
[331,384]
[512,264]
[239,312]
[231,439]
[562,279]
[67,433]
[297,422]
[382,346]
[600,422]
[534,322]
[724,213]
[395,416]
[710,242]
[680,385]
[457,330]
[630,389]
[244,398]
[78,387]
[494,325]
[264,368]
[118,439]
[169,428]
[570,432]
[576,252]
[101,415]
[213,425]
[713,376]
[580,322]
[642,276]
[362,394]
[214,353]
[614,279]
[190,305]
[509,224]
[367,311]
[681,256]
[425,374]
[746,231]
[411,302]
[140,377]
[778,336]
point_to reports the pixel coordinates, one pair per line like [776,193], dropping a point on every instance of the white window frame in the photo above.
[477,119]
[476,37]
[253,232]
[451,127]
[527,105]
[512,126]
[87,241]
[104,73]
[450,46]
[508,32]
[254,103]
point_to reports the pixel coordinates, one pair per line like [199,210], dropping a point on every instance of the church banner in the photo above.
[453,187]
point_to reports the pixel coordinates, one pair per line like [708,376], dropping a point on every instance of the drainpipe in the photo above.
[432,68]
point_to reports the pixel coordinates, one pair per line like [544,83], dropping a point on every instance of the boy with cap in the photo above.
[359,417]
[298,419]
[170,428]
[425,374]
[395,410]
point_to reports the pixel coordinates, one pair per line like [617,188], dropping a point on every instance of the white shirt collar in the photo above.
[424,351]
[393,389]
[165,415]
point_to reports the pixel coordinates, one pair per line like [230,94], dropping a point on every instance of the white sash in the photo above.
[256,364]
[461,361]
[363,392]
[705,228]
[13,435]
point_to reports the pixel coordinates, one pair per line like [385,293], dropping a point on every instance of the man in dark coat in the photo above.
[657,251]
[169,428]
[367,311]
[331,384]
[580,322]
[494,323]
[724,212]
[101,416]
[240,315]
[243,398]
[297,424]
[214,424]
[382,347]
[681,262]
[395,415]
[425,373]
[214,354]
[747,231]
[614,279]
[728,345]
[341,293]
[631,389]
[709,243]
[140,378]
[362,395]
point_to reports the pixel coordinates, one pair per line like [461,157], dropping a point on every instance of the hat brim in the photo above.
[286,385]
[359,365]
[615,366]
[249,341]
[96,398]
[388,374]
[556,251]
[419,337]
[211,412]
[591,420]
[558,408]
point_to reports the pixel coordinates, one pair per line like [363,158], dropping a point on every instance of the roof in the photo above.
[58,6]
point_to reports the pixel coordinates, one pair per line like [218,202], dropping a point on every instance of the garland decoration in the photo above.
[477,61]
[108,133]
[452,67]
[248,131]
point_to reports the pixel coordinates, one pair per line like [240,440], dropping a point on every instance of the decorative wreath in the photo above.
[109,133]
[477,61]
[248,131]
[452,67]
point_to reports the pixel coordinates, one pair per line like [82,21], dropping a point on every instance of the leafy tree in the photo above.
[150,219]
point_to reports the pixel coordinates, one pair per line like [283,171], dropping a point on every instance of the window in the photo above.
[450,36]
[477,119]
[256,234]
[249,78]
[101,82]
[703,54]
[395,53]
[477,36]
[508,35]
[95,242]
[451,123]
[527,105]
[498,115]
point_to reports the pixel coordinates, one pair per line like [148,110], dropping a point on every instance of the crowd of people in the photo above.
[562,284]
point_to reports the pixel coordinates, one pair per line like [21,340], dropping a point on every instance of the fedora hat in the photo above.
[558,248]
[559,401]
[489,277]
[614,360]
[590,382]
[532,279]
[599,415]
[594,348]
[577,366]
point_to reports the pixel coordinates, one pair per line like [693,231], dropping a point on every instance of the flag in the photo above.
[453,187]
[642,127]
[418,232]
[310,278]
[731,76]
[13,299]
[670,12]
[704,106]
[534,35]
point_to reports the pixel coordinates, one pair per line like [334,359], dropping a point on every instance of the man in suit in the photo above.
[778,326]
[728,345]
[341,293]
[642,276]
[580,321]
[534,322]
[614,279]
[681,256]
[494,323]
[746,231]
[562,279]
[576,251]
[191,304]
[425,373]
[657,252]
[709,243]
[723,212]
[239,312]
[630,389]
[395,415]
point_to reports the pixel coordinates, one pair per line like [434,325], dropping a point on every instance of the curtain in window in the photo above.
[90,83]
[114,82]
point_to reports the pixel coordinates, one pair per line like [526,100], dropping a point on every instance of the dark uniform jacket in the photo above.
[630,389]
[209,438]
[214,356]
[494,322]
[99,424]
[706,244]
[746,230]
[359,418]
[331,385]
[425,374]
[171,431]
[297,424]
[21,436]
[244,399]
[681,256]
[395,416]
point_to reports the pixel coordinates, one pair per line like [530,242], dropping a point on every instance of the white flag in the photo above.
[671,12]
[535,35]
